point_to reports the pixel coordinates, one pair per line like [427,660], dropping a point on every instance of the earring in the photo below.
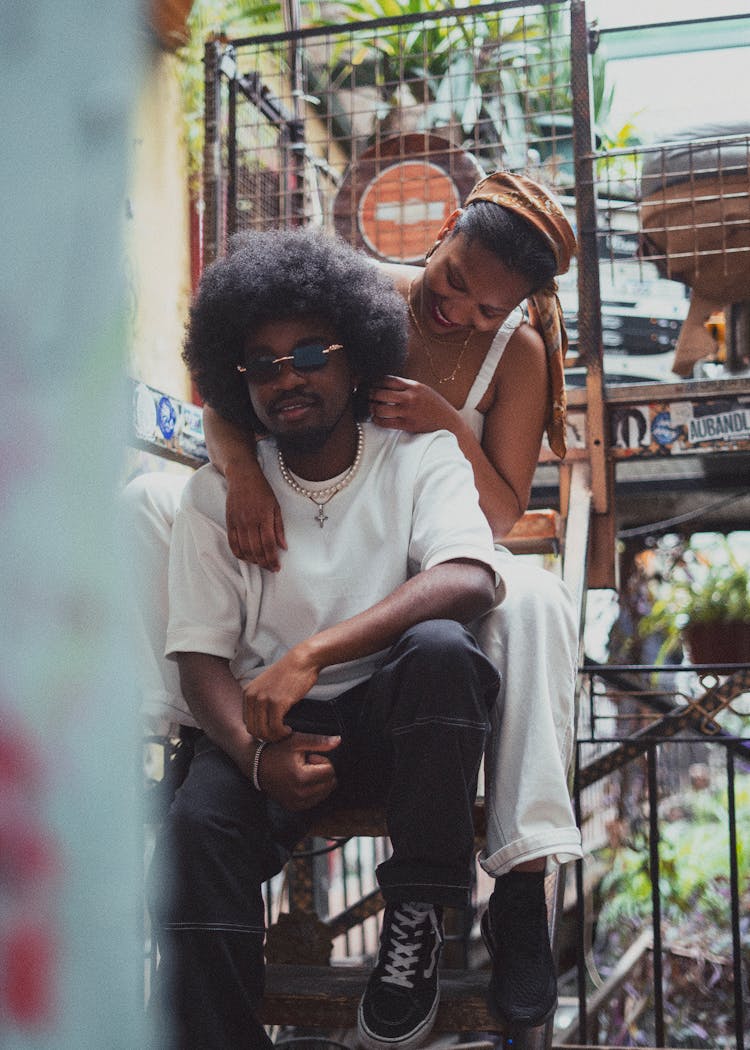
[431,250]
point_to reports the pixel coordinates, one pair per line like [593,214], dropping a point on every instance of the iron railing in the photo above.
[664,754]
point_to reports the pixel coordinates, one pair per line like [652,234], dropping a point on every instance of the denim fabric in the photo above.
[413,735]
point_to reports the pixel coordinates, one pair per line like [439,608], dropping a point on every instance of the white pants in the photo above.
[532,639]
[149,503]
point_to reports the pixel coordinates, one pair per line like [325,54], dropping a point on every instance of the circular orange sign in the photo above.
[403,207]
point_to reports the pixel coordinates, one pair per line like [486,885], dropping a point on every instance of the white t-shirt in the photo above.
[411,505]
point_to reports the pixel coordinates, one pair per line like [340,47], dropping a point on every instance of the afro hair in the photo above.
[280,275]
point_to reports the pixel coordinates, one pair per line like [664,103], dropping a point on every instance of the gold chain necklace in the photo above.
[328,493]
[430,360]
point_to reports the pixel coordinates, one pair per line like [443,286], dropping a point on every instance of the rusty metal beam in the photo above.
[589,294]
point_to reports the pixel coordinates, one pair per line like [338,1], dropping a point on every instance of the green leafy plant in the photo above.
[694,865]
[214,18]
[450,68]
[444,66]
[694,889]
[700,581]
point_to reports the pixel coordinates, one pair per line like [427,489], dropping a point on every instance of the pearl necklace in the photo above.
[430,360]
[321,497]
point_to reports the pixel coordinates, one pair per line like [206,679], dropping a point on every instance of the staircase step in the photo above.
[327,997]
[536,532]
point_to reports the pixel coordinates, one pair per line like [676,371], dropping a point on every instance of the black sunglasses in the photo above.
[309,357]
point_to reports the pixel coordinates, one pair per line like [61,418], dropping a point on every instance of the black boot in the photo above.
[523,987]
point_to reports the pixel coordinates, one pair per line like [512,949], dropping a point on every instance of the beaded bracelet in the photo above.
[256,762]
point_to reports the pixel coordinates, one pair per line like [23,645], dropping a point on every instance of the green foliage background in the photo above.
[448,46]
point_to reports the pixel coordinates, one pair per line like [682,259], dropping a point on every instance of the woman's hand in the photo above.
[277,689]
[405,404]
[295,774]
[254,526]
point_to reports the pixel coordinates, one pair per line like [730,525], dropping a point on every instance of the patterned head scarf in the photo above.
[538,207]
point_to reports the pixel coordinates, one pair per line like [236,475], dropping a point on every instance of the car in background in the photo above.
[641,321]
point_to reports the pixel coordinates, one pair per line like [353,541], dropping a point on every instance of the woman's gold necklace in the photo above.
[430,360]
[320,497]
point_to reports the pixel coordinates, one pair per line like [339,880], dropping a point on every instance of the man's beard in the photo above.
[312,440]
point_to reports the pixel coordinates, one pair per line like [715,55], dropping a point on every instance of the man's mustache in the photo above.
[292,399]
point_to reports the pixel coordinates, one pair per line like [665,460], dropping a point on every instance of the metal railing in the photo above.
[663,793]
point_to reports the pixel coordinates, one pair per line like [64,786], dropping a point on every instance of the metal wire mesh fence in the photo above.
[378,129]
[671,215]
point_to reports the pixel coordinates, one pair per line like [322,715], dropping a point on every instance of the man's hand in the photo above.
[269,696]
[293,773]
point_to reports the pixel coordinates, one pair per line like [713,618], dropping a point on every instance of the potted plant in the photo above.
[701,600]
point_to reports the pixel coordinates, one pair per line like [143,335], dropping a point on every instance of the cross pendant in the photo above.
[321,517]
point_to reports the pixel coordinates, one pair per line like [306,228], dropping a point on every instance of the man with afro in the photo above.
[348,675]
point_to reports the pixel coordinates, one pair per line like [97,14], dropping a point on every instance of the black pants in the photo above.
[413,735]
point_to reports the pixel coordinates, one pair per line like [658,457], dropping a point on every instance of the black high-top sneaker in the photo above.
[523,987]
[400,1001]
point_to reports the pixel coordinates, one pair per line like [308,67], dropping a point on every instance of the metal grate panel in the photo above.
[378,129]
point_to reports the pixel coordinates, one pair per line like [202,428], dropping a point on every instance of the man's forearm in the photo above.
[458,590]
[214,697]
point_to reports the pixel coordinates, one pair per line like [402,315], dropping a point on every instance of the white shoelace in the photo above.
[407,929]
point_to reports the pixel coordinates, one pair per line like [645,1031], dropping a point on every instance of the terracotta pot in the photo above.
[701,229]
[167,19]
[718,643]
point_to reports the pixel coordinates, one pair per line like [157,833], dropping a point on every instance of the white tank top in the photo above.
[468,410]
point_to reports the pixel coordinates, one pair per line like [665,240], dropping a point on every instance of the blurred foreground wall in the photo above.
[70,938]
